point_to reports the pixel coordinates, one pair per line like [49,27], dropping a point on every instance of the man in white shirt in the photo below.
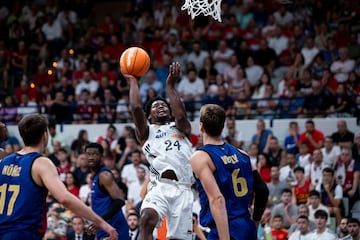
[287,172]
[315,204]
[309,51]
[222,56]
[303,229]
[129,171]
[86,83]
[321,232]
[197,56]
[191,89]
[330,152]
[253,71]
[134,188]
[278,41]
[282,16]
[314,170]
[342,67]
[52,28]
[331,193]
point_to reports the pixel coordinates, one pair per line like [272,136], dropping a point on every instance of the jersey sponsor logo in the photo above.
[230,159]
[177,136]
[11,170]
[163,134]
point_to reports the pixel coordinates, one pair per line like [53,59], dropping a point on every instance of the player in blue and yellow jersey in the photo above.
[225,181]
[107,198]
[25,179]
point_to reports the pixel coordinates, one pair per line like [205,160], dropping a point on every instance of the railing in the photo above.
[107,113]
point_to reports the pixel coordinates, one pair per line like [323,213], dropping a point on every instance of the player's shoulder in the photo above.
[243,152]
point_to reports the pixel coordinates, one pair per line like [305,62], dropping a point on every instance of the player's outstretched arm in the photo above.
[177,106]
[45,174]
[203,169]
[136,109]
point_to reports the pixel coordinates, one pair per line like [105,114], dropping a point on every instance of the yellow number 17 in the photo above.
[239,184]
[4,190]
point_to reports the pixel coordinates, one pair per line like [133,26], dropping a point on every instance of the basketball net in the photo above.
[205,7]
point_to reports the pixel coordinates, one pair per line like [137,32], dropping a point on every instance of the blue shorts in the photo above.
[240,229]
[20,235]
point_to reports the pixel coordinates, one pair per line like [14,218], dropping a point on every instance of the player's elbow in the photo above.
[135,107]
[217,201]
[64,199]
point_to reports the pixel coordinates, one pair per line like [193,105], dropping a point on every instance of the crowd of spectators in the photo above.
[280,59]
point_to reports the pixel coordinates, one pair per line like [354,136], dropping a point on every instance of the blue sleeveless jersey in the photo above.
[234,177]
[100,203]
[22,201]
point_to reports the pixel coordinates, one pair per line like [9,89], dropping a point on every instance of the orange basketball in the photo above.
[134,61]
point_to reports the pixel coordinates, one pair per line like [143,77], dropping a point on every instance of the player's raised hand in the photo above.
[130,79]
[174,74]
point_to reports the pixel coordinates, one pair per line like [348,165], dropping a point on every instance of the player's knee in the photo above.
[149,218]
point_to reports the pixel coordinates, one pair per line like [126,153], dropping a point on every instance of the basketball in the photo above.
[134,61]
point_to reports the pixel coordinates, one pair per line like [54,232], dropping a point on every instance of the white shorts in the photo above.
[175,202]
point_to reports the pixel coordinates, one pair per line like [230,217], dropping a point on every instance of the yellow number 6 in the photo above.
[239,184]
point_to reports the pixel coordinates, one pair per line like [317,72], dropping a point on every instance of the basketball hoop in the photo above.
[206,7]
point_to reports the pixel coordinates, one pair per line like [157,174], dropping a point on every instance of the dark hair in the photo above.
[286,190]
[278,216]
[303,217]
[32,128]
[133,213]
[74,217]
[314,193]
[52,123]
[267,159]
[321,213]
[95,145]
[300,169]
[76,180]
[293,123]
[111,126]
[328,170]
[310,121]
[212,117]
[136,151]
[151,101]
[354,220]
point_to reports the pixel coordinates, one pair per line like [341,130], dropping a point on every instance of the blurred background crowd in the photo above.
[274,59]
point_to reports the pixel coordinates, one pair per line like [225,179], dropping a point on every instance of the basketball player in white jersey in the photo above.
[168,149]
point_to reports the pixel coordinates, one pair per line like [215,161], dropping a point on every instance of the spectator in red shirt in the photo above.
[71,183]
[105,71]
[278,232]
[328,82]
[25,88]
[113,50]
[42,77]
[312,137]
[263,166]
